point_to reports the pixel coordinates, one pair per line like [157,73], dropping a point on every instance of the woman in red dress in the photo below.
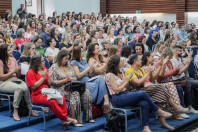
[37,78]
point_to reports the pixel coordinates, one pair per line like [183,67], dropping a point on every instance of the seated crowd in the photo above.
[146,65]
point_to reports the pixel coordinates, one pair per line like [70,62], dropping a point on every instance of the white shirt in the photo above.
[175,62]
[61,30]
[157,55]
[50,52]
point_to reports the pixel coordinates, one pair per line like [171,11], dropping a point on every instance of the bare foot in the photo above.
[16,115]
[163,113]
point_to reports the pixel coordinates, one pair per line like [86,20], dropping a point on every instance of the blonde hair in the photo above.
[26,48]
[112,50]
[65,38]
[160,43]
[182,42]
[168,42]
[167,52]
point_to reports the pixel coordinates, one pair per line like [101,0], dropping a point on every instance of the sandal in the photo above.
[182,110]
[170,128]
[164,114]
[34,114]
[178,117]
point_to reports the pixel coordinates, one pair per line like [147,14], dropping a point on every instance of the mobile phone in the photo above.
[17,82]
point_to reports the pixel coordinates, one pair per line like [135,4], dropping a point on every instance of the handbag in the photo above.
[75,86]
[114,122]
[180,82]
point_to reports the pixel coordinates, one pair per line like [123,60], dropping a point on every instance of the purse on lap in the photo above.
[180,82]
[75,86]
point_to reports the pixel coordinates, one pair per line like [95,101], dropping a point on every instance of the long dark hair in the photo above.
[138,44]
[35,62]
[144,57]
[52,33]
[60,56]
[112,66]
[90,53]
[167,35]
[4,57]
[192,37]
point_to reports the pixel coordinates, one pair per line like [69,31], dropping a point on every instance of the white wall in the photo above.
[16,4]
[33,9]
[193,18]
[84,6]
[152,16]
[49,7]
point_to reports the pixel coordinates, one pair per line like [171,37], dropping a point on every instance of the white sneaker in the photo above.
[192,111]
[184,116]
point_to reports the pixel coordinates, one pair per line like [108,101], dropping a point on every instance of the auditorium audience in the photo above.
[38,78]
[94,85]
[121,97]
[9,74]
[90,47]
[61,74]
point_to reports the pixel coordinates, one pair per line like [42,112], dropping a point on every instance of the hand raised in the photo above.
[44,73]
[166,60]
[91,63]
[129,76]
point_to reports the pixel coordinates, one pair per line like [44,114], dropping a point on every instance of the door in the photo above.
[39,7]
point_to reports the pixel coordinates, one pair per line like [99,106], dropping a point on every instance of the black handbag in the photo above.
[114,122]
[75,86]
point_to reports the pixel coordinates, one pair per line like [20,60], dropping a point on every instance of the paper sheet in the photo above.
[24,68]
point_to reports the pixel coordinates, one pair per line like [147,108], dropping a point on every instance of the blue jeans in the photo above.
[185,95]
[137,99]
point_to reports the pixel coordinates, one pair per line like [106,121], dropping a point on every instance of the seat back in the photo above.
[22,47]
[16,54]
[47,64]
[108,94]
[153,47]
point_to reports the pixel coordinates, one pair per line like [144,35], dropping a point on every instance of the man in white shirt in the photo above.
[182,77]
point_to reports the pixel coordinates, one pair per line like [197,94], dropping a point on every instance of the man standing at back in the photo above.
[21,12]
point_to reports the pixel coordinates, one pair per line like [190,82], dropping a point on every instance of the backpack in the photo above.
[114,122]
[23,110]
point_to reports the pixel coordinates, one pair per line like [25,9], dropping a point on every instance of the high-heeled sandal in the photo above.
[91,121]
[78,125]
[178,117]
[170,128]
[64,126]
[182,110]
[34,114]
[69,123]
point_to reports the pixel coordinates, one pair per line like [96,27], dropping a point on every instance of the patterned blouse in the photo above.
[57,74]
[119,82]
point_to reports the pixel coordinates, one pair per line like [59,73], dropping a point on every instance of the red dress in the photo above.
[60,111]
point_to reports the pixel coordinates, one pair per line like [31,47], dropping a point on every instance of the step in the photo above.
[55,125]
